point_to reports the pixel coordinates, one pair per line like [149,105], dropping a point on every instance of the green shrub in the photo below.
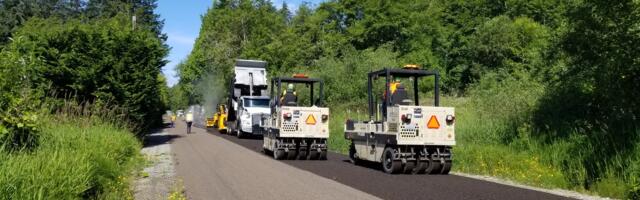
[78,158]
[498,109]
[18,103]
[501,117]
[103,62]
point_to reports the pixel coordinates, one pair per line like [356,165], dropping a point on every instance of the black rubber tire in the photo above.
[421,167]
[388,164]
[408,167]
[446,167]
[314,154]
[238,131]
[352,154]
[302,153]
[435,165]
[429,167]
[292,154]
[323,155]
[278,154]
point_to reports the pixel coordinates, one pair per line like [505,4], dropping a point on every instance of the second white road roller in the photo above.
[298,125]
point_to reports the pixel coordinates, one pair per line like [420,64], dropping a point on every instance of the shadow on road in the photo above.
[252,137]
[166,125]
[247,136]
[153,140]
[367,164]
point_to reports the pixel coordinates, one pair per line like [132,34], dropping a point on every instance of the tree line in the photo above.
[569,68]
[85,51]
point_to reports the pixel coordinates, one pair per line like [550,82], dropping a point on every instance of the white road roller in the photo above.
[296,128]
[401,134]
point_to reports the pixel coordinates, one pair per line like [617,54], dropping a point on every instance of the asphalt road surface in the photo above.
[218,166]
[213,168]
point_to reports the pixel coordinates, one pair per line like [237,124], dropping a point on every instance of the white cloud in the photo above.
[177,39]
[169,72]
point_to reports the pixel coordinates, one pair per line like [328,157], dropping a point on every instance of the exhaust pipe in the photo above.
[251,84]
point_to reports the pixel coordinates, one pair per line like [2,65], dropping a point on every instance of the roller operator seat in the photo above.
[400,97]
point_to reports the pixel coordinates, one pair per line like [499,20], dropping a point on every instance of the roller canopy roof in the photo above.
[402,72]
[297,80]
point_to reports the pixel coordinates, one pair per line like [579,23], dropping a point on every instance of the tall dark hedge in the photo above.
[103,62]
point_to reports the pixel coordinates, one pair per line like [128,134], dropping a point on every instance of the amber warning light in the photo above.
[433,123]
[300,76]
[411,66]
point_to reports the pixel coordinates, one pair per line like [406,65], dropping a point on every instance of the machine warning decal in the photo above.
[312,120]
[432,124]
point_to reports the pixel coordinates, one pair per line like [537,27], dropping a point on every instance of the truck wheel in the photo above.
[352,154]
[388,164]
[238,131]
[230,129]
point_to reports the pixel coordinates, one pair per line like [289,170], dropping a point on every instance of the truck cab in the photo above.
[246,97]
[251,109]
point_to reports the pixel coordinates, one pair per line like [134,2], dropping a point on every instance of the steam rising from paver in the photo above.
[211,86]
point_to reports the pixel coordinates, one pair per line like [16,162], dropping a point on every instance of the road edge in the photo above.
[159,175]
[559,192]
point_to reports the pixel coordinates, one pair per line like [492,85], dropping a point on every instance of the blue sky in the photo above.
[182,25]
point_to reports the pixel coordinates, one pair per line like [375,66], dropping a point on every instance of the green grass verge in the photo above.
[78,158]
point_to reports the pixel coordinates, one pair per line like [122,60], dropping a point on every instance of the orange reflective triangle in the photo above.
[433,123]
[311,120]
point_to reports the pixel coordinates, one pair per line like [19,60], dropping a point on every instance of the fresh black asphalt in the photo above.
[370,179]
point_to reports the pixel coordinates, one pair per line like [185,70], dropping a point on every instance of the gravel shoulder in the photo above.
[158,177]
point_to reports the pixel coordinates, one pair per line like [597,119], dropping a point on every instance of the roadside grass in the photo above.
[337,142]
[79,157]
[482,150]
[177,192]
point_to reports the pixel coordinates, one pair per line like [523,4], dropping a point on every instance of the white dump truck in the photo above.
[247,97]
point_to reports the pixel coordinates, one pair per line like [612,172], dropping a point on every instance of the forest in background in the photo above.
[545,90]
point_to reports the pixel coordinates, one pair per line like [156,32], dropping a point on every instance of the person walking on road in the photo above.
[189,119]
[173,120]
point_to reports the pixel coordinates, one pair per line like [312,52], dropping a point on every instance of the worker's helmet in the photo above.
[290,86]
